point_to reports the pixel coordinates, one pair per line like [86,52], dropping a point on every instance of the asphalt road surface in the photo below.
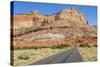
[69,56]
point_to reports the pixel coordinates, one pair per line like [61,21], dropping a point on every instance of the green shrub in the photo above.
[34,12]
[95,45]
[60,46]
[88,45]
[82,45]
[23,56]
[85,45]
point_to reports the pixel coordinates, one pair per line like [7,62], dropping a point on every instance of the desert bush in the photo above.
[88,45]
[95,45]
[60,46]
[84,45]
[23,56]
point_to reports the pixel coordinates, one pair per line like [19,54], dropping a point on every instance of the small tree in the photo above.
[34,12]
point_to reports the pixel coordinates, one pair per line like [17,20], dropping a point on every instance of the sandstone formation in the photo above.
[69,26]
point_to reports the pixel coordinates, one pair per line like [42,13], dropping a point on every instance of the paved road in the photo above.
[69,56]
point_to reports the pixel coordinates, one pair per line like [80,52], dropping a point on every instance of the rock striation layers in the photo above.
[68,26]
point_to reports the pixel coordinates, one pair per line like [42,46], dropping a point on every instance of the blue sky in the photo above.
[47,8]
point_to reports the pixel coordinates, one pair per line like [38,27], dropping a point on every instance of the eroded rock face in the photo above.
[73,17]
[69,26]
[26,22]
[67,17]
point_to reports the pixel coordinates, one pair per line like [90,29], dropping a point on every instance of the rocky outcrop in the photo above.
[72,17]
[69,26]
[67,17]
[26,22]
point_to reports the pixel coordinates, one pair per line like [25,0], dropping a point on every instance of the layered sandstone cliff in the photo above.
[69,17]
[68,26]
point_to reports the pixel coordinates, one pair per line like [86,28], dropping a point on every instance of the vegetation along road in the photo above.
[72,55]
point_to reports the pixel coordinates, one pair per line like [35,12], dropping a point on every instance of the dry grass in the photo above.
[33,55]
[89,53]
